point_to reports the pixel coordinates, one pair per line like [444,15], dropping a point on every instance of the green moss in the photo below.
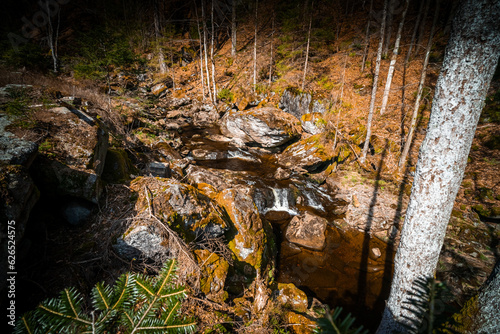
[481,210]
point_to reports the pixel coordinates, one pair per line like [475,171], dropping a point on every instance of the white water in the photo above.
[281,201]
[312,202]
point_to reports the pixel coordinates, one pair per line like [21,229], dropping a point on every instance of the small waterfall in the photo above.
[281,201]
[312,202]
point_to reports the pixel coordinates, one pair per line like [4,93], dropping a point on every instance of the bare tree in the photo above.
[233,28]
[470,60]
[367,37]
[374,87]
[388,34]
[205,48]
[307,48]
[255,48]
[201,51]
[53,35]
[394,57]
[158,35]
[421,31]
[212,60]
[416,107]
[272,38]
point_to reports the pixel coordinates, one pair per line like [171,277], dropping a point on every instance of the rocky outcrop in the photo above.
[309,154]
[298,103]
[264,127]
[307,230]
[182,206]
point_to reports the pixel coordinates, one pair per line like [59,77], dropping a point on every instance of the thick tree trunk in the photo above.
[233,28]
[375,84]
[470,60]
[367,37]
[404,154]
[392,65]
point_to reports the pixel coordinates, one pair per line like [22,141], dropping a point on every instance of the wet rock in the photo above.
[309,154]
[14,150]
[214,270]
[282,174]
[291,297]
[182,206]
[307,230]
[140,242]
[265,127]
[249,242]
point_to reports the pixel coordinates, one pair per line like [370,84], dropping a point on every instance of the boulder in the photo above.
[182,206]
[310,154]
[307,230]
[291,297]
[141,242]
[313,123]
[117,167]
[299,103]
[14,150]
[264,127]
[214,270]
[165,152]
[250,239]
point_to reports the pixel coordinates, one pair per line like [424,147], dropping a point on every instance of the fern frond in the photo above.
[332,324]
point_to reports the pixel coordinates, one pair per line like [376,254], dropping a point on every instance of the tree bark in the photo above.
[367,37]
[375,83]
[233,28]
[470,60]
[416,107]
[392,65]
[307,48]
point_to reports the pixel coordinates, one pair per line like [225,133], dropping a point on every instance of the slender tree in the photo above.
[420,90]
[422,26]
[470,59]
[388,34]
[233,28]
[307,47]
[212,60]
[392,65]
[375,83]
[255,48]
[53,34]
[367,37]
[205,48]
[158,36]
[201,51]
[272,40]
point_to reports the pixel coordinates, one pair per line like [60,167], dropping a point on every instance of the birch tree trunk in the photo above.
[307,48]
[470,60]
[157,24]
[212,60]
[201,51]
[367,37]
[204,19]
[413,124]
[392,65]
[375,84]
[255,49]
[233,28]
[53,36]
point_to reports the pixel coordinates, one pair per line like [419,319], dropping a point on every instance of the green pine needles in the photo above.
[135,304]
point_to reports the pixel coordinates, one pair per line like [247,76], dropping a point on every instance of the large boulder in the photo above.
[265,127]
[311,154]
[72,156]
[307,230]
[181,205]
[300,103]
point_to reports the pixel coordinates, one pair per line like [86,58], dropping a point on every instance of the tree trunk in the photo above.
[481,313]
[157,24]
[422,27]
[367,37]
[415,29]
[307,48]
[255,49]
[51,39]
[413,124]
[201,52]
[392,65]
[212,60]
[470,60]
[205,49]
[233,28]
[390,14]
[374,88]
[271,62]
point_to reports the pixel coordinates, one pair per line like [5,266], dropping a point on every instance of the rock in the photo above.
[213,274]
[291,297]
[140,242]
[355,201]
[298,103]
[375,253]
[313,123]
[282,174]
[165,152]
[160,88]
[182,206]
[250,240]
[300,324]
[117,167]
[311,154]
[159,169]
[307,230]
[14,150]
[265,127]
[76,212]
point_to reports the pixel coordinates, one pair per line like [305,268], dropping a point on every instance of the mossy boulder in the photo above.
[117,167]
[265,127]
[291,297]
[313,123]
[214,270]
[181,205]
[249,241]
[312,154]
